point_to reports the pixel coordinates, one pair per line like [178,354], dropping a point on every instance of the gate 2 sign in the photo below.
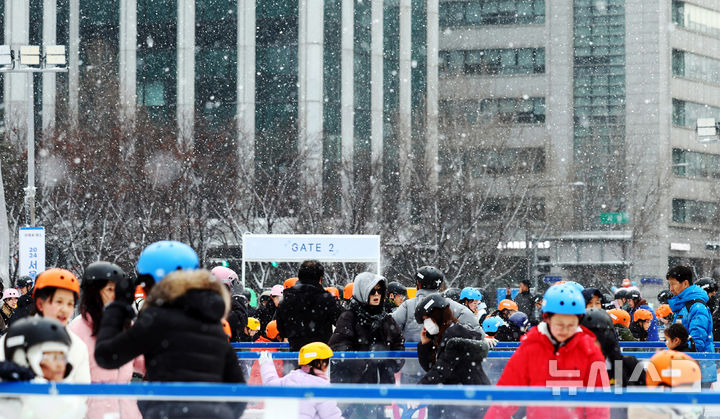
[301,247]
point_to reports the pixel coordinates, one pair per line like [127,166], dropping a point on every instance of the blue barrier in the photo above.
[413,345]
[413,355]
[480,395]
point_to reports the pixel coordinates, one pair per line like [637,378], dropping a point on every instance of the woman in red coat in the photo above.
[557,353]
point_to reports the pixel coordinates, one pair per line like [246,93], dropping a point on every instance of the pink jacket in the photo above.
[98,408]
[298,378]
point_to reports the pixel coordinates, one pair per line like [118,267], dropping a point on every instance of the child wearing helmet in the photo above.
[516,326]
[270,334]
[558,343]
[621,322]
[251,329]
[41,345]
[637,302]
[472,299]
[9,304]
[491,325]
[313,363]
[450,353]
[642,319]
[55,294]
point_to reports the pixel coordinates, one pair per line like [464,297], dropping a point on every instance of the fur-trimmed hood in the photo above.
[196,291]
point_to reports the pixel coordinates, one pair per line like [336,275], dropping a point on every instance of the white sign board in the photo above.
[301,247]
[32,251]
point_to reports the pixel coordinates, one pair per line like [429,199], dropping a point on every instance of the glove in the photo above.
[10,371]
[265,357]
[125,291]
[491,343]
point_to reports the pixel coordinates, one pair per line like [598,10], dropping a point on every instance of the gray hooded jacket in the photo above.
[364,283]
[405,316]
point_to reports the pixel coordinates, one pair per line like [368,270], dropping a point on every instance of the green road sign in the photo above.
[614,217]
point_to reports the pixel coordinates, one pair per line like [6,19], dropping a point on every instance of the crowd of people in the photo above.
[174,322]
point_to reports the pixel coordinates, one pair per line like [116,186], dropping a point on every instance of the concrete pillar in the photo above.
[128,61]
[49,92]
[17,34]
[310,95]
[185,111]
[74,63]
[347,102]
[246,85]
[431,123]
[376,103]
[404,114]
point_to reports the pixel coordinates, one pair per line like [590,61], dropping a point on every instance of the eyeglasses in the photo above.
[377,291]
[54,357]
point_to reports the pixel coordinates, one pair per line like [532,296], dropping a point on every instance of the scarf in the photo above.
[370,317]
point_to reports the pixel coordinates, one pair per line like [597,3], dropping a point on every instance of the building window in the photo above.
[152,94]
[693,164]
[693,66]
[694,212]
[491,12]
[685,114]
[493,61]
[487,161]
[696,18]
[500,110]
[532,209]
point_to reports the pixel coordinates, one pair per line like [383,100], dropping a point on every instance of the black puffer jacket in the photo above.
[366,328]
[24,305]
[306,314]
[180,334]
[237,319]
[459,358]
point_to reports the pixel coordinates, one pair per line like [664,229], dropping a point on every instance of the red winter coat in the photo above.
[534,361]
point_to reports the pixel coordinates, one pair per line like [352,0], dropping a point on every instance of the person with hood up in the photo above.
[9,304]
[593,298]
[313,363]
[179,330]
[636,302]
[97,291]
[307,312]
[559,343]
[450,353]
[689,307]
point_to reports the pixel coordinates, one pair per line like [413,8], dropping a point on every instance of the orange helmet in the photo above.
[507,304]
[620,316]
[226,328]
[348,291]
[59,278]
[271,330]
[139,292]
[642,314]
[334,291]
[626,283]
[663,311]
[290,282]
[672,368]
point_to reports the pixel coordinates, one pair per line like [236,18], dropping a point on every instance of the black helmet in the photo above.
[23,281]
[664,296]
[30,331]
[427,305]
[634,294]
[621,293]
[102,271]
[429,277]
[707,284]
[396,288]
[597,319]
[453,294]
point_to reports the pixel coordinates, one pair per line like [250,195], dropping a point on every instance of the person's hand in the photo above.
[10,371]
[265,357]
[125,290]
[424,336]
[491,343]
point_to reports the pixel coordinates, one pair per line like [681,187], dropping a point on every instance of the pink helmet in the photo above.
[10,293]
[276,290]
[226,275]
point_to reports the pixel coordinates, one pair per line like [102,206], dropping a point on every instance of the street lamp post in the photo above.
[30,60]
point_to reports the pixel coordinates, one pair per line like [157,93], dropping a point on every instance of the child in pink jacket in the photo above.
[314,359]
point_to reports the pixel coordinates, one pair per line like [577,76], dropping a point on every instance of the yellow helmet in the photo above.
[253,323]
[313,351]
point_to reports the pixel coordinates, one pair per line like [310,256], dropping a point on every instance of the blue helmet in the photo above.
[161,258]
[470,293]
[563,299]
[576,285]
[491,324]
[519,320]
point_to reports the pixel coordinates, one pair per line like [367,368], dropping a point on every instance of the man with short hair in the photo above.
[689,306]
[307,312]
[524,299]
